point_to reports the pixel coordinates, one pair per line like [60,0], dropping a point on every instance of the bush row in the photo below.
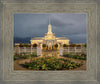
[24,56]
[78,56]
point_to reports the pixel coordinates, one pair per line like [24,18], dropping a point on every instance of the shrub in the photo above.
[85,45]
[44,45]
[34,45]
[67,55]
[56,45]
[78,45]
[24,56]
[81,57]
[20,45]
[25,45]
[72,45]
[15,57]
[64,45]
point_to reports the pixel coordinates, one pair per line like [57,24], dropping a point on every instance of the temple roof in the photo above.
[62,38]
[58,38]
[37,38]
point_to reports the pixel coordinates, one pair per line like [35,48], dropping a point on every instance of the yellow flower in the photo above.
[43,66]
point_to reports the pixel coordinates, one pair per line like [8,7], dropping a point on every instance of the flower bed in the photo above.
[24,56]
[51,63]
[78,56]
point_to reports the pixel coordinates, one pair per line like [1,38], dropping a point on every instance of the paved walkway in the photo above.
[18,66]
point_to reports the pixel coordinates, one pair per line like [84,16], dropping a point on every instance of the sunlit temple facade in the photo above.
[50,39]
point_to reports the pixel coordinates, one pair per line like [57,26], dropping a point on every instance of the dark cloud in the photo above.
[59,23]
[72,26]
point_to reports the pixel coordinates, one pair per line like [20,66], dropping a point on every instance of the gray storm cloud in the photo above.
[72,26]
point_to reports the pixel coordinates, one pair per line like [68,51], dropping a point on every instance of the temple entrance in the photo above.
[50,46]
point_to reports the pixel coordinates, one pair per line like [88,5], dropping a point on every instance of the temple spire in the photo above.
[49,20]
[49,27]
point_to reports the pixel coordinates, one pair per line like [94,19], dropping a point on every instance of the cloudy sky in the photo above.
[72,26]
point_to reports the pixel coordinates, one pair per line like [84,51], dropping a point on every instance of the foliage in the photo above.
[20,45]
[56,45]
[85,45]
[44,45]
[67,45]
[78,45]
[24,45]
[29,45]
[78,56]
[24,56]
[72,45]
[64,45]
[51,63]
[34,45]
[52,48]
[16,45]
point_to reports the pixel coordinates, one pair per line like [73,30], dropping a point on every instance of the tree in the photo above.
[20,45]
[35,45]
[29,45]
[56,45]
[85,45]
[64,45]
[25,45]
[78,45]
[72,45]
[44,45]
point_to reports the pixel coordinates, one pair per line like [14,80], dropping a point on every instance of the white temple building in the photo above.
[50,39]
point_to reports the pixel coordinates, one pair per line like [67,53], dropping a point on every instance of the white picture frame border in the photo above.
[91,75]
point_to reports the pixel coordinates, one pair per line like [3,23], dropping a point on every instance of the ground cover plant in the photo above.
[51,63]
[24,56]
[76,56]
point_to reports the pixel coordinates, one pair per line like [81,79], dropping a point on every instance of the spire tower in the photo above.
[49,27]
[49,20]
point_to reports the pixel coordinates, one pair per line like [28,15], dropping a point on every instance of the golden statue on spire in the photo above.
[49,27]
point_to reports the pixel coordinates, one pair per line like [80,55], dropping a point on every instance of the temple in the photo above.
[50,39]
